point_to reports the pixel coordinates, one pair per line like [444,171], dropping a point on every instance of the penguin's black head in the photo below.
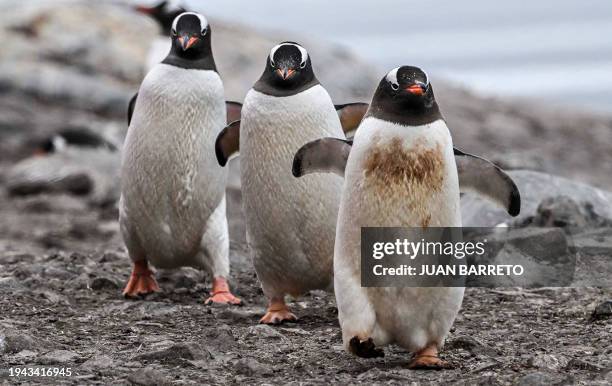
[191,44]
[163,13]
[288,71]
[405,96]
[190,35]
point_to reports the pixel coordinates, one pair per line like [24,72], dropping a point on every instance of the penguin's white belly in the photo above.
[404,177]
[171,180]
[290,222]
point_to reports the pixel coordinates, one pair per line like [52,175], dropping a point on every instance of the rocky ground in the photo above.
[63,265]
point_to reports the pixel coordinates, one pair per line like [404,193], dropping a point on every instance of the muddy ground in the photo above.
[62,268]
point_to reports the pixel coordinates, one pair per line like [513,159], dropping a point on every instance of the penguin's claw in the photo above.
[221,293]
[365,348]
[223,298]
[427,362]
[427,359]
[142,281]
[278,317]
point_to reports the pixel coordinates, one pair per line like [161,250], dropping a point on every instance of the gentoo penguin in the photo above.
[400,170]
[172,209]
[74,160]
[77,137]
[163,12]
[290,223]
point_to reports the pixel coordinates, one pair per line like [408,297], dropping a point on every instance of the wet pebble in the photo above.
[12,343]
[58,357]
[16,258]
[602,311]
[580,364]
[148,377]
[98,362]
[472,345]
[104,283]
[250,367]
[264,331]
[539,379]
[548,361]
[10,284]
[187,351]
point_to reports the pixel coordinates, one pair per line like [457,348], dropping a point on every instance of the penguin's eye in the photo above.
[272,64]
[302,65]
[204,31]
[173,32]
[395,86]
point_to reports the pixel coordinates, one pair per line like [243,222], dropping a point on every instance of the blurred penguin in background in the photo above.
[73,160]
[163,12]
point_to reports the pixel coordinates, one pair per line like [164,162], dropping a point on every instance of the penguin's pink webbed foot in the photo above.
[142,281]
[427,359]
[221,293]
[278,313]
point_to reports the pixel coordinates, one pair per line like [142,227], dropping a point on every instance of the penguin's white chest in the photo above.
[171,181]
[290,221]
[403,176]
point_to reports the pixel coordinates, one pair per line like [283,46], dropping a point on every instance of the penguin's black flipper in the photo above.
[227,144]
[233,111]
[131,105]
[325,155]
[350,115]
[485,178]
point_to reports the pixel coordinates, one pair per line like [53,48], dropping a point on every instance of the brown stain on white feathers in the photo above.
[425,221]
[395,164]
[406,174]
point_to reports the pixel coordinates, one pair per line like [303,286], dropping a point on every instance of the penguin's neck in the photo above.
[408,115]
[205,62]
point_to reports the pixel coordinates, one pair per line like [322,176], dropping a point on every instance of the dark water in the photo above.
[558,50]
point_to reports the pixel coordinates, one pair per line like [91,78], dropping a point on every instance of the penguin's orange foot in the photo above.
[427,359]
[365,348]
[278,316]
[221,293]
[426,362]
[141,282]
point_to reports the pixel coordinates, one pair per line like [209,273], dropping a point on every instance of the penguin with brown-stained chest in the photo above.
[401,170]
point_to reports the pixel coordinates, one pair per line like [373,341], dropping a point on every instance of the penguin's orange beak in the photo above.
[285,73]
[187,41]
[145,10]
[39,152]
[416,89]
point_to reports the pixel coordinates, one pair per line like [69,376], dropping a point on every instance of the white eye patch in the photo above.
[203,21]
[303,53]
[392,78]
[426,77]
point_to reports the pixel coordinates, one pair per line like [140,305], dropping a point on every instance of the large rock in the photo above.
[528,135]
[565,212]
[535,187]
[12,343]
[93,55]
